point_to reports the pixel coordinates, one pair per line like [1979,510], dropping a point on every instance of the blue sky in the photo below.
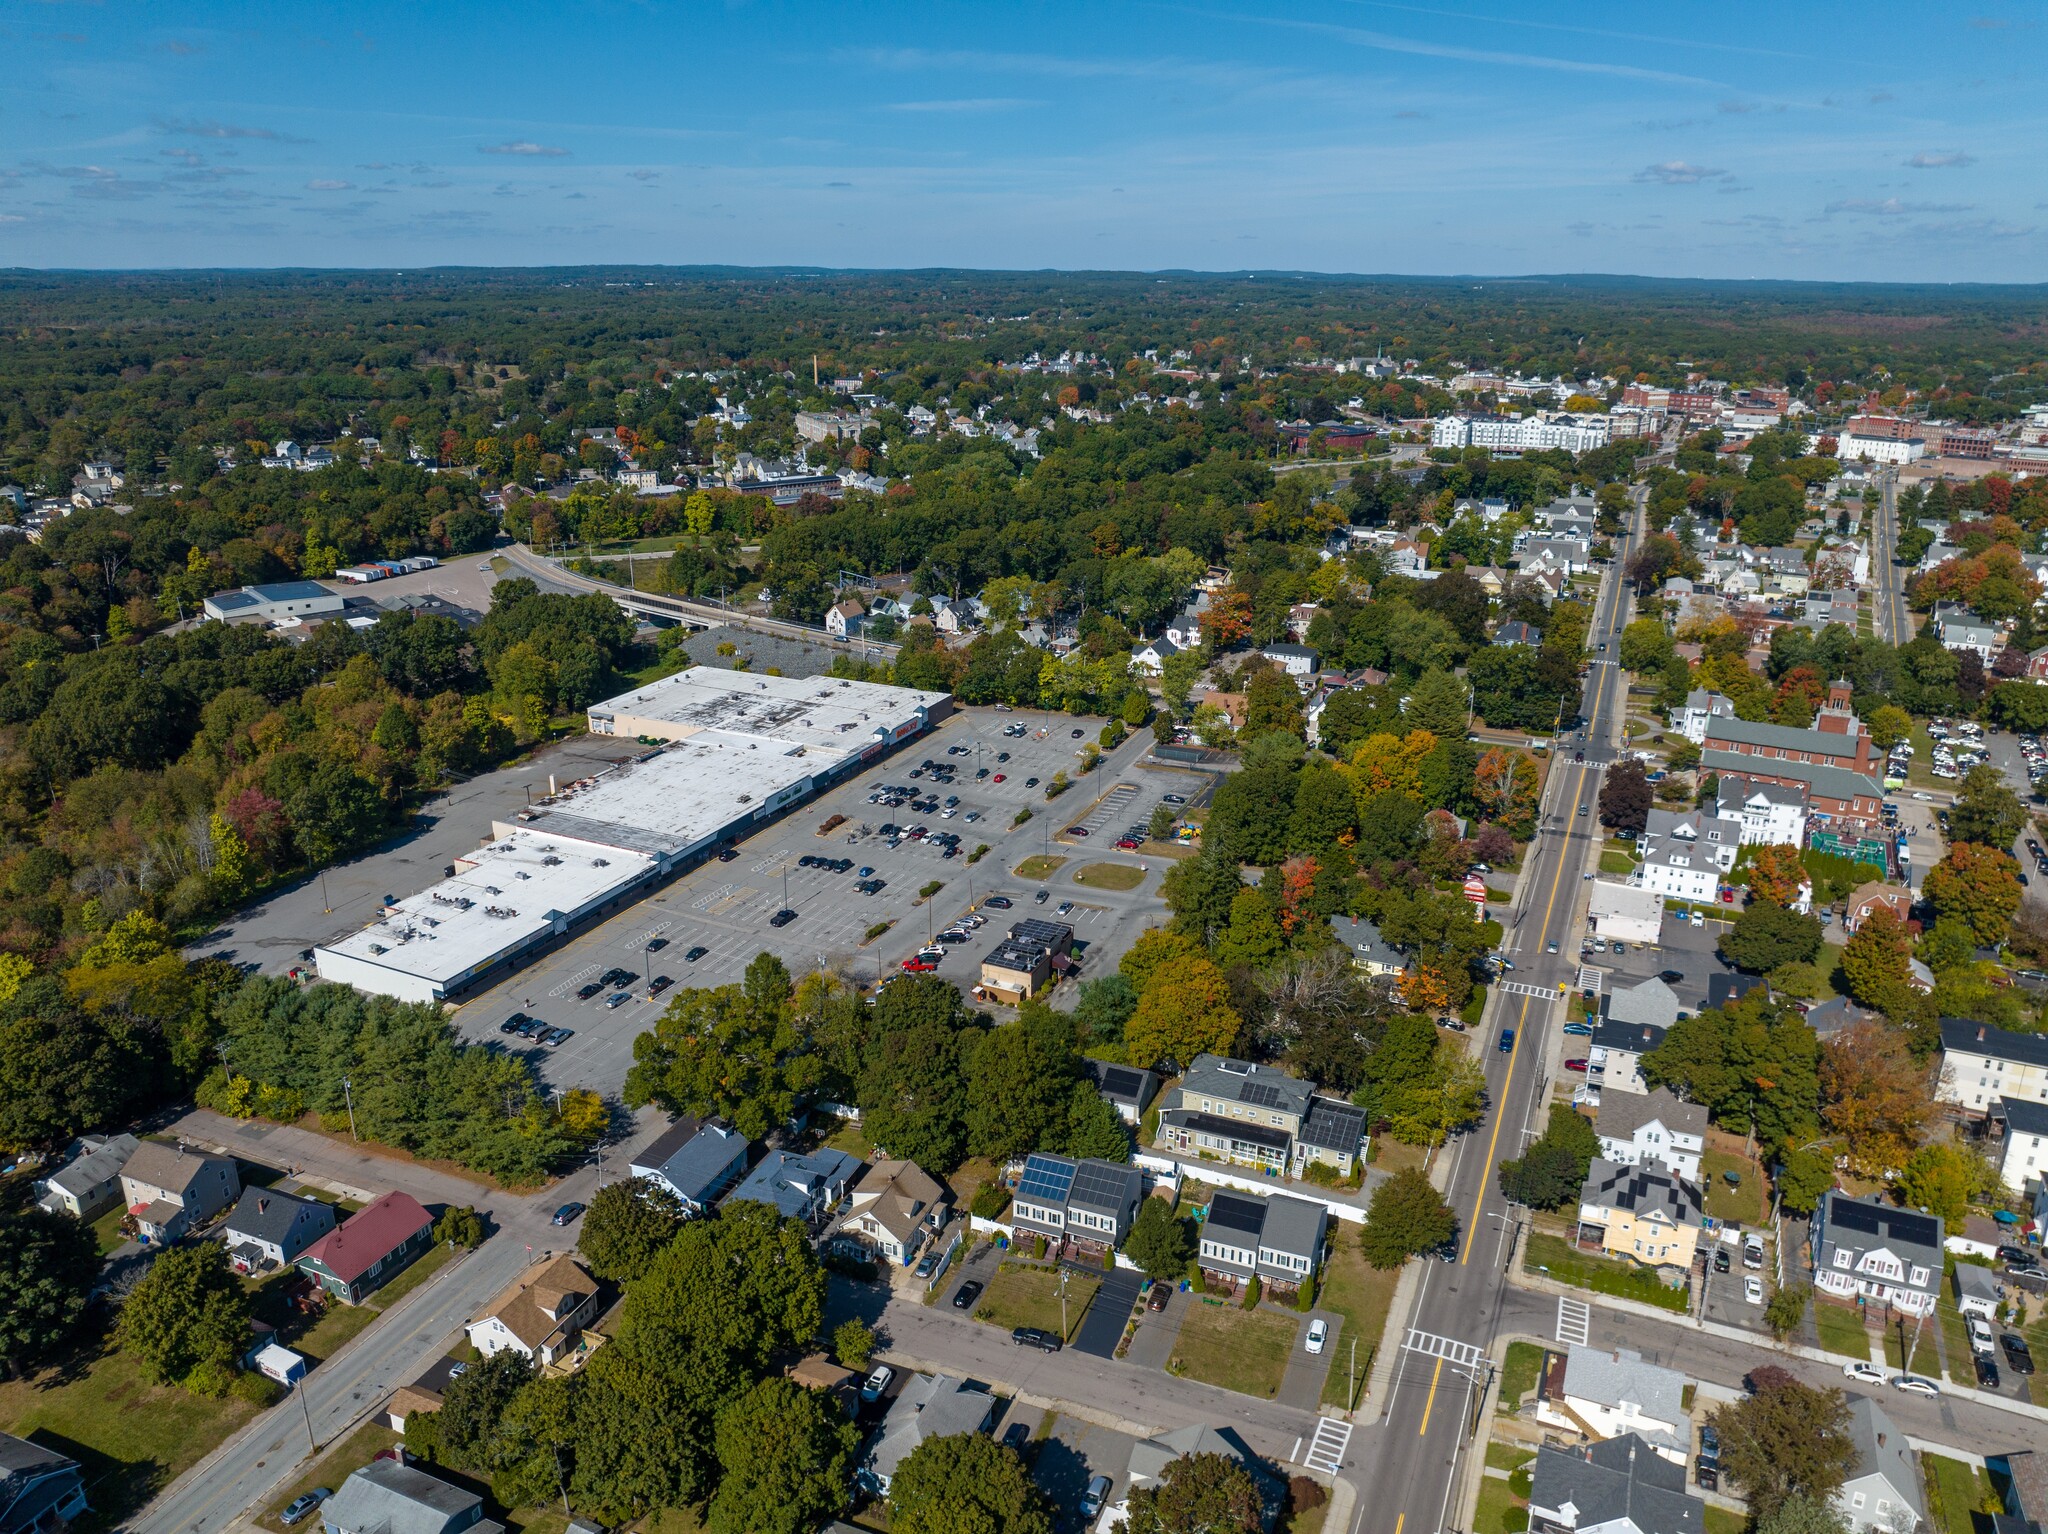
[1874,141]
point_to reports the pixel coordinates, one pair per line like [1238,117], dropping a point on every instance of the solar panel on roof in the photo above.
[1120,1081]
[1099,1186]
[1228,1211]
[1260,1094]
[1902,1224]
[1046,1180]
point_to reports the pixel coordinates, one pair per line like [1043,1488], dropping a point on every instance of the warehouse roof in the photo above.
[831,716]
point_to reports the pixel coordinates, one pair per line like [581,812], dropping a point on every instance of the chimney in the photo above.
[262,1204]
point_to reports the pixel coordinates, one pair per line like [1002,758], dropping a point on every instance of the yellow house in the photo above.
[1645,1213]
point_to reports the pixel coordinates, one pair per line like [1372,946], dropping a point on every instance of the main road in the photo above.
[1409,1464]
[1888,581]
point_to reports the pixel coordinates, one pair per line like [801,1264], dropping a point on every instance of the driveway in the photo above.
[1073,1453]
[1303,1384]
[1103,1327]
[1158,1332]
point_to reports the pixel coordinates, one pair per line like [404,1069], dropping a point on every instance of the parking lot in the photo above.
[725,908]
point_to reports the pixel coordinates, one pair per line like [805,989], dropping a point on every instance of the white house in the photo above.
[1867,1248]
[1882,1493]
[1701,706]
[896,1207]
[1982,1063]
[1149,658]
[1771,814]
[541,1315]
[2023,1154]
[1654,1126]
[844,618]
[1296,660]
[1609,1392]
[1685,853]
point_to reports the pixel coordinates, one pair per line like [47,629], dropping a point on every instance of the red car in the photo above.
[1129,843]
[918,966]
[999,777]
[1575,1065]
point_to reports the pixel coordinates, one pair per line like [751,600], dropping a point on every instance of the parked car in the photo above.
[656,944]
[2018,1356]
[1863,1373]
[873,1387]
[618,999]
[965,1296]
[1036,1337]
[1097,1494]
[1576,1064]
[516,1023]
[301,1506]
[554,1038]
[1913,1384]
[695,954]
[1722,1264]
[568,1212]
[1017,1437]
[1160,1296]
[1578,1030]
[1987,1372]
[1753,1290]
[782,918]
[1318,1334]
[1710,1444]
[590,990]
[997,902]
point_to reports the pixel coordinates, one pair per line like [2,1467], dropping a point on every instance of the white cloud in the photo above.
[1892,207]
[524,147]
[1677,173]
[1946,161]
[330,186]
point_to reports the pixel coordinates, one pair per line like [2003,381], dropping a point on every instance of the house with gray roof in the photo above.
[40,1489]
[1979,1290]
[1254,1115]
[271,1229]
[91,1183]
[169,1189]
[1614,1056]
[1882,1494]
[1652,1127]
[1618,1486]
[1369,951]
[1274,1237]
[695,1161]
[1867,1248]
[1651,1004]
[1084,1206]
[385,1497]
[801,1187]
[1124,1087]
[930,1406]
[1958,629]
[1609,1392]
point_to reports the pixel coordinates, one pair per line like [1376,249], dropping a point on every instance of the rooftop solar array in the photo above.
[1121,1081]
[1102,1185]
[1891,1224]
[1230,1211]
[1331,1125]
[1260,1094]
[1046,1179]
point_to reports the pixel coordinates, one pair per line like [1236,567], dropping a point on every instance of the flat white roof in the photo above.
[1610,899]
[826,718]
[516,890]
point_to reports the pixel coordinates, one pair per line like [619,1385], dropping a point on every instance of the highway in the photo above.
[1888,580]
[1409,1465]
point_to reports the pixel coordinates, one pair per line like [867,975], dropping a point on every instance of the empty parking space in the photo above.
[1103,1328]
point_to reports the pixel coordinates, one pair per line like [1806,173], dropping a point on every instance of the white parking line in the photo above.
[1326,1448]
[1574,1320]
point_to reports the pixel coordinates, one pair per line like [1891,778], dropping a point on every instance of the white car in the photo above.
[877,1383]
[1924,797]
[1318,1334]
[1864,1374]
[1913,1384]
[1753,1290]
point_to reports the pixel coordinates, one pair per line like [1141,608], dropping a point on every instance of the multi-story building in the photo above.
[1081,1207]
[1614,1057]
[1981,1063]
[1652,1127]
[1575,434]
[1867,1249]
[1646,1214]
[1684,854]
[2023,1152]
[1838,738]
[1609,1392]
[1882,1493]
[1254,1115]
[1701,709]
[1275,1238]
[1836,799]
[1772,814]
[1615,1486]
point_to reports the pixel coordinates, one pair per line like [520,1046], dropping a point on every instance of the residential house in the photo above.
[1702,707]
[1275,1238]
[1875,896]
[1185,629]
[1566,556]
[1124,1087]
[1772,814]
[1786,569]
[1405,556]
[1517,635]
[814,1371]
[1649,1004]
[369,1248]
[1369,951]
[695,1161]
[169,1189]
[897,1206]
[1617,1486]
[1866,1249]
[1299,617]
[1643,1213]
[930,1406]
[41,1491]
[1150,658]
[541,1315]
[1979,1290]
[1981,1063]
[1960,629]
[1025,958]
[1836,798]
[1625,911]
[1297,660]
[90,1183]
[1080,1206]
[1825,607]
[1978,1237]
[271,1229]
[2020,1477]
[1150,1458]
[803,1187]
[1685,852]
[1608,1392]
[1653,1126]
[1256,1115]
[843,619]
[2023,1152]
[1882,1493]
[1614,1056]
[385,1497]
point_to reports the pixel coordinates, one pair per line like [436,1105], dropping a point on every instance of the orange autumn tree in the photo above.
[1776,874]
[1229,617]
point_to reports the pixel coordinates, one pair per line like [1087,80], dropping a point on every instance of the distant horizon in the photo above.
[1881,142]
[797,268]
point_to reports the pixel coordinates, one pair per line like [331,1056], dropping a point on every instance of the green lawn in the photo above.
[1954,1491]
[1508,1456]
[1518,1375]
[1362,1295]
[849,1137]
[1110,876]
[1242,1350]
[1616,863]
[1841,1329]
[422,1270]
[1926,1358]
[1721,1520]
[1039,866]
[107,1229]
[1745,1203]
[1603,1275]
[1494,1501]
[1955,1341]
[133,1438]
[1021,1296]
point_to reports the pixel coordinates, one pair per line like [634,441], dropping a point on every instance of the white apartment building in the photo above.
[1701,708]
[1655,1126]
[1575,434]
[1981,1063]
[1771,814]
[1684,855]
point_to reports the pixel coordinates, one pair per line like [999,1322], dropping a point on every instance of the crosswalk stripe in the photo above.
[1574,1320]
[1326,1448]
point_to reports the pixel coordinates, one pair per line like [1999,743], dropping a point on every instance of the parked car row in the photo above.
[533,1028]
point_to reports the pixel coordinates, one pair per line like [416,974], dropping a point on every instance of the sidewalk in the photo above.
[360,1172]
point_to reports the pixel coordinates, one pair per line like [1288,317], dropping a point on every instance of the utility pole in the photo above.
[326,905]
[311,1442]
[348,1093]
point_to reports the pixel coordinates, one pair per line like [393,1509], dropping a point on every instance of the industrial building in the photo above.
[266,604]
[732,751]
